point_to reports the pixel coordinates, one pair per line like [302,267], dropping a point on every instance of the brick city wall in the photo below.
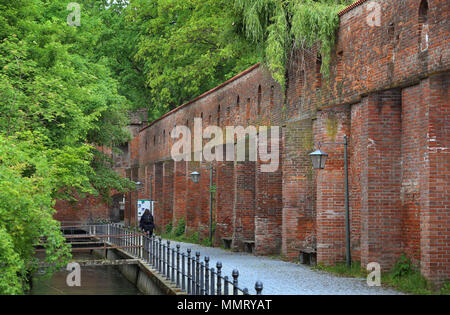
[387,91]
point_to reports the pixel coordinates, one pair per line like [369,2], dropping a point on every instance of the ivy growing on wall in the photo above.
[279,26]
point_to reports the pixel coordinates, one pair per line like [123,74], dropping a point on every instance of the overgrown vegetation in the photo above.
[407,278]
[178,234]
[279,27]
[342,270]
[404,276]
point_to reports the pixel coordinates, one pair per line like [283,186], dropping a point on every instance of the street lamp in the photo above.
[319,158]
[195,176]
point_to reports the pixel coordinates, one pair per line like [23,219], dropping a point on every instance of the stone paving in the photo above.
[282,278]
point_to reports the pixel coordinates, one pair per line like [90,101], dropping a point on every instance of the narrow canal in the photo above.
[95,280]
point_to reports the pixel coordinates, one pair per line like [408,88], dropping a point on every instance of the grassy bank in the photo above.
[178,233]
[404,277]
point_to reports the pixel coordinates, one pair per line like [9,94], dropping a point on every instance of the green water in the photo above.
[101,280]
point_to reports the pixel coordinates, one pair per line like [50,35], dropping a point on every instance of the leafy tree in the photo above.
[59,102]
[187,47]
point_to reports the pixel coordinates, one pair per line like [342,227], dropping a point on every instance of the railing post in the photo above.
[235,275]
[207,275]
[178,266]
[202,282]
[197,273]
[189,279]
[168,260]
[134,242]
[212,282]
[219,278]
[183,275]
[258,287]
[164,259]
[225,288]
[159,255]
[152,251]
[173,265]
[141,245]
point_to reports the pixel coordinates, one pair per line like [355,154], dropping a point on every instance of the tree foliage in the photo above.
[187,47]
[59,102]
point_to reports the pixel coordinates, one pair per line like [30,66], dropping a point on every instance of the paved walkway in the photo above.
[279,277]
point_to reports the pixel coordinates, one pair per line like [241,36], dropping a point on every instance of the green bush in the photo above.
[402,268]
[169,228]
[181,228]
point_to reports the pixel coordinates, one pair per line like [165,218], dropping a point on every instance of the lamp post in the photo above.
[318,160]
[195,176]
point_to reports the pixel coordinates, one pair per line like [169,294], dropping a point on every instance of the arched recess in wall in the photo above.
[271,96]
[247,109]
[259,99]
[318,73]
[423,26]
[218,115]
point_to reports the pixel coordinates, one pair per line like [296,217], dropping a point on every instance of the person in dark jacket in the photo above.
[147,222]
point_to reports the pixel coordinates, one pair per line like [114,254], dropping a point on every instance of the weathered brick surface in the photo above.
[244,204]
[387,91]
[88,209]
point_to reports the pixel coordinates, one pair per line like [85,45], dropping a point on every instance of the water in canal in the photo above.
[98,280]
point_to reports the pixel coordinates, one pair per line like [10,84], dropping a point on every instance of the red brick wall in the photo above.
[269,205]
[225,188]
[384,91]
[330,127]
[298,193]
[435,214]
[179,191]
[244,204]
[85,210]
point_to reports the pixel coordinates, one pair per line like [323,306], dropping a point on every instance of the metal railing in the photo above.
[185,270]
